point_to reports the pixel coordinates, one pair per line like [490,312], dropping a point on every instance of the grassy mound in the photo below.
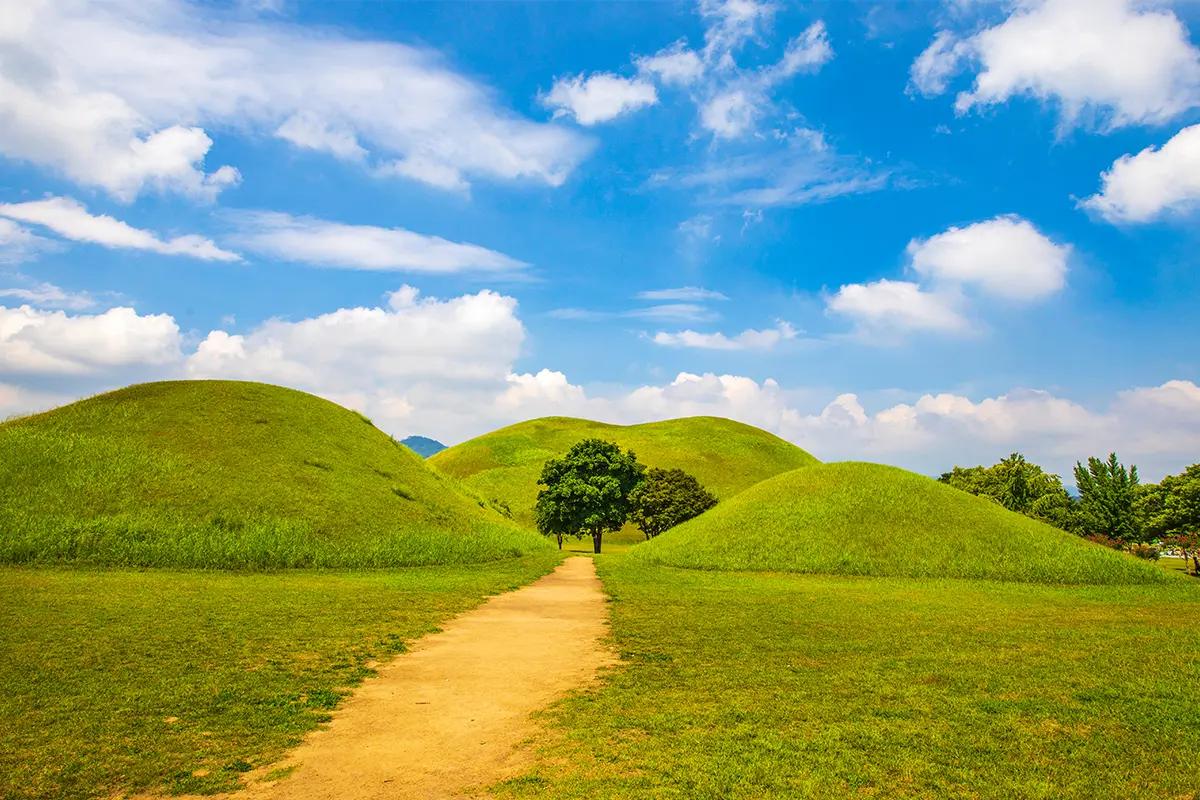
[724,455]
[867,519]
[231,474]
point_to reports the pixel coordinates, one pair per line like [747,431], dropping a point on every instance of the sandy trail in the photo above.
[444,719]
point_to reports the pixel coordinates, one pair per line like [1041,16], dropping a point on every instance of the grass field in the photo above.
[232,475]
[867,519]
[741,685]
[118,681]
[725,456]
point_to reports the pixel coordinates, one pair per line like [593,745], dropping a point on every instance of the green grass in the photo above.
[742,685]
[117,681]
[231,474]
[867,519]
[724,455]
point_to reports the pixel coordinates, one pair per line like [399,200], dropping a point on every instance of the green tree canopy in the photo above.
[666,498]
[1018,485]
[587,491]
[1107,493]
[1170,511]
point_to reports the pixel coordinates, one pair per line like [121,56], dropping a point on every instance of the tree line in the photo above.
[596,487]
[1113,506]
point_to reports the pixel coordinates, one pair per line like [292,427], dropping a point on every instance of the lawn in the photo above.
[745,685]
[120,681]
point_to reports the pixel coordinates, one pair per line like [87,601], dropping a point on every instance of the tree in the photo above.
[666,498]
[1107,492]
[1018,485]
[587,491]
[1170,511]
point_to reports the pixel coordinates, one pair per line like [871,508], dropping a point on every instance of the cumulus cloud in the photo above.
[897,305]
[436,356]
[749,339]
[70,219]
[362,247]
[136,113]
[599,97]
[1152,184]
[33,341]
[1111,62]
[1157,427]
[676,65]
[1005,256]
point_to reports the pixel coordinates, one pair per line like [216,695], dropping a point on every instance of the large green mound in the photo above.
[867,519]
[231,474]
[726,456]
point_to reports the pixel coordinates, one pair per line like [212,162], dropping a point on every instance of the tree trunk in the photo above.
[559,541]
[1195,563]
[596,537]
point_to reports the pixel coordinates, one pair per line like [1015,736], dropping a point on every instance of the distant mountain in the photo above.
[423,445]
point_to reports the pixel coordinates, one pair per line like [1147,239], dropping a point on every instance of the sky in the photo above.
[923,233]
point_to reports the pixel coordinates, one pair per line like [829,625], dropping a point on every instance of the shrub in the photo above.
[1144,550]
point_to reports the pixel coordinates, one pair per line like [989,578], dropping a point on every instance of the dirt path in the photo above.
[444,719]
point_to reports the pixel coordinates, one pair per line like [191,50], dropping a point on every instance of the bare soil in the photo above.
[447,718]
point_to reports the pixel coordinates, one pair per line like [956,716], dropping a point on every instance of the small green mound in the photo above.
[867,519]
[228,474]
[725,456]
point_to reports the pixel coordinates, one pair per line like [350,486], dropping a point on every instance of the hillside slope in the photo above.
[867,519]
[724,455]
[231,474]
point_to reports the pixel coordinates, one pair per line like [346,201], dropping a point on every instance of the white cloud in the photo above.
[693,312]
[546,388]
[807,52]
[20,400]
[729,114]
[19,244]
[749,339]
[136,112]
[676,65]
[688,395]
[56,343]
[1005,256]
[1156,427]
[732,23]
[1111,62]
[362,247]
[897,305]
[440,360]
[1153,183]
[800,169]
[599,97]
[931,72]
[47,295]
[71,220]
[682,293]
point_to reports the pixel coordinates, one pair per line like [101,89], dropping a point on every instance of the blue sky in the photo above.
[922,233]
